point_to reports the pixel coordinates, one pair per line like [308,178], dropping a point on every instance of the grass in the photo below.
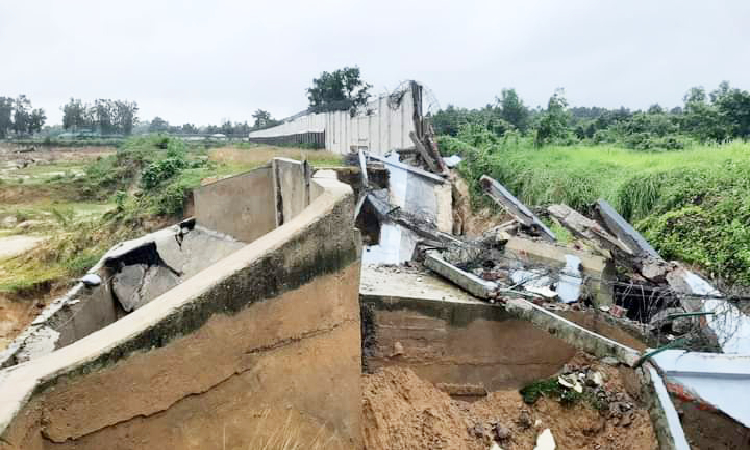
[275,433]
[693,205]
[579,175]
[68,253]
[249,158]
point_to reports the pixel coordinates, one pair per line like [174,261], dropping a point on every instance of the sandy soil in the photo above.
[15,245]
[401,411]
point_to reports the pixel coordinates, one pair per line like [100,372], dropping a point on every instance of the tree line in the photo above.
[104,116]
[262,119]
[716,116]
[18,116]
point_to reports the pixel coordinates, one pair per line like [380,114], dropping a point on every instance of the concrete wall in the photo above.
[292,187]
[270,330]
[242,206]
[382,126]
[458,342]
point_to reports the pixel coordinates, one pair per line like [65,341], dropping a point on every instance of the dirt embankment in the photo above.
[47,154]
[402,411]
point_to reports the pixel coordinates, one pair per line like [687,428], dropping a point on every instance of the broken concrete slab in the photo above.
[419,193]
[157,281]
[569,284]
[598,271]
[663,414]
[536,282]
[620,227]
[426,157]
[588,229]
[515,208]
[127,285]
[196,250]
[139,284]
[725,324]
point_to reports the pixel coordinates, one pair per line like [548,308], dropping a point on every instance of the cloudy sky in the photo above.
[202,61]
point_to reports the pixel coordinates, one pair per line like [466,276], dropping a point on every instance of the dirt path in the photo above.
[15,245]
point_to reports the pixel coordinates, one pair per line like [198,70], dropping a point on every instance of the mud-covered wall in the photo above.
[457,343]
[270,331]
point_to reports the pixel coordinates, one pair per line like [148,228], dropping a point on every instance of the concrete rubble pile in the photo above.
[609,269]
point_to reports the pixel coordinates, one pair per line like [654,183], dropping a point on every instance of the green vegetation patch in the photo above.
[693,205]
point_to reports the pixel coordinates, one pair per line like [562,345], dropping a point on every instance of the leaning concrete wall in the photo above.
[458,342]
[271,329]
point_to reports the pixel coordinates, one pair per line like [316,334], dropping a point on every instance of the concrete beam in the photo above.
[515,208]
[468,281]
[620,227]
[571,333]
[585,228]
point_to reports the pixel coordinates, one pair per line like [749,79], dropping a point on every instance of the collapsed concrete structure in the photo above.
[257,307]
[271,328]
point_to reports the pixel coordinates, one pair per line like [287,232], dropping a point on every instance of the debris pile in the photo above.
[418,216]
[609,267]
[403,411]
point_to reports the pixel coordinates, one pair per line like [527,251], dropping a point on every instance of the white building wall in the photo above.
[385,129]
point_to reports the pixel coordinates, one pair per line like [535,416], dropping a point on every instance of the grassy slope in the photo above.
[693,204]
[80,239]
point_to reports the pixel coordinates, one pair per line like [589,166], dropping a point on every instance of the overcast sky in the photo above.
[202,61]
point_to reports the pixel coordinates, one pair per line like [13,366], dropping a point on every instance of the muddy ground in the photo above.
[402,411]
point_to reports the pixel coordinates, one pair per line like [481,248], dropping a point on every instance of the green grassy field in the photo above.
[693,205]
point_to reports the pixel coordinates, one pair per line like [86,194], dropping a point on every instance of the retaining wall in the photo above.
[458,342]
[266,335]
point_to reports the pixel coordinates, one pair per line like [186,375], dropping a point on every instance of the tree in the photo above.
[262,117]
[37,120]
[22,116]
[102,112]
[554,121]
[733,106]
[512,109]
[655,109]
[74,114]
[6,121]
[189,128]
[127,116]
[158,125]
[341,89]
[701,118]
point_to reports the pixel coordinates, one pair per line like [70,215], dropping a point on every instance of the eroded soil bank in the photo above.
[402,411]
